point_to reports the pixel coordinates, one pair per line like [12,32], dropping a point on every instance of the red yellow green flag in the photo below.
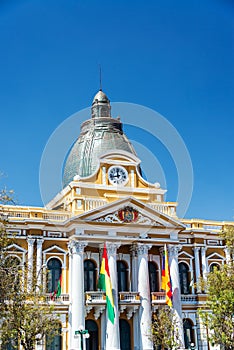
[166,280]
[104,283]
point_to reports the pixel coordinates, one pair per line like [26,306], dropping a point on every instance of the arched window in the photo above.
[54,343]
[184,278]
[188,333]
[153,276]
[125,335]
[11,266]
[122,272]
[90,275]
[214,266]
[92,341]
[53,275]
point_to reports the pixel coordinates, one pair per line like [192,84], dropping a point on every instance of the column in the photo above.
[70,295]
[175,281]
[197,267]
[228,255]
[144,290]
[204,263]
[134,285]
[39,260]
[112,330]
[30,262]
[77,306]
[103,331]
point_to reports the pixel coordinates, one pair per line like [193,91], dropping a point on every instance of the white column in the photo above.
[175,281]
[103,331]
[145,342]
[204,263]
[70,295]
[112,330]
[197,267]
[228,255]
[30,261]
[134,288]
[77,306]
[39,260]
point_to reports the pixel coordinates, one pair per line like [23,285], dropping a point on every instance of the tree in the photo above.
[218,312]
[26,315]
[165,329]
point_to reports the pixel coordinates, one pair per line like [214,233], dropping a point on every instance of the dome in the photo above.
[100,97]
[98,135]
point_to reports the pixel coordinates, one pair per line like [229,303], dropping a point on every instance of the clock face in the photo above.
[117,175]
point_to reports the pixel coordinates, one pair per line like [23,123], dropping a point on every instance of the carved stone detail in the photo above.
[141,249]
[115,218]
[112,248]
[77,247]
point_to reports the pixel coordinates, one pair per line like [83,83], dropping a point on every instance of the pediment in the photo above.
[54,249]
[16,248]
[129,211]
[215,256]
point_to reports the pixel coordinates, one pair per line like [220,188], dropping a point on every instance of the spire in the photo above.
[101,106]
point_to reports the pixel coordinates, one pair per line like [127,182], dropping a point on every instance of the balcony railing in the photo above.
[95,297]
[158,297]
[129,297]
[62,299]
[165,208]
[189,299]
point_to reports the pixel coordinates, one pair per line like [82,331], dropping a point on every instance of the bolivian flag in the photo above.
[104,283]
[166,280]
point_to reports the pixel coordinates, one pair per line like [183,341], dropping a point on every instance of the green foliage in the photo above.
[165,329]
[218,313]
[26,316]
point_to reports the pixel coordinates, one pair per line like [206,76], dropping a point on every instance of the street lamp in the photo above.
[83,333]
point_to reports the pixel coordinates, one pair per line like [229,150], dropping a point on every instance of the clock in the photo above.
[117,175]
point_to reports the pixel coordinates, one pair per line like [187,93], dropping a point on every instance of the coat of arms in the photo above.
[128,214]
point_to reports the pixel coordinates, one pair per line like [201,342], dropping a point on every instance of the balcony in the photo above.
[158,298]
[129,298]
[63,299]
[95,298]
[189,299]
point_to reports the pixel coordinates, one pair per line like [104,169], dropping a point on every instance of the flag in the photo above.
[59,286]
[166,280]
[58,290]
[104,283]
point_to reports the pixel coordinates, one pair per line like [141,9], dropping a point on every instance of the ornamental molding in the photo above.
[127,215]
[77,247]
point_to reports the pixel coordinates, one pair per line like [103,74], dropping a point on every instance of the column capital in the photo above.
[40,241]
[112,247]
[141,249]
[203,249]
[30,241]
[196,249]
[173,250]
[77,247]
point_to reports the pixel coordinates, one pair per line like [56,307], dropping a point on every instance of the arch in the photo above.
[122,272]
[213,266]
[92,341]
[188,332]
[54,270]
[125,335]
[90,275]
[153,276]
[184,278]
[55,343]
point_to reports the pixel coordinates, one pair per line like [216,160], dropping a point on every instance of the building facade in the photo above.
[105,199]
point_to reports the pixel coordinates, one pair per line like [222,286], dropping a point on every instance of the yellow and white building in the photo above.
[106,199]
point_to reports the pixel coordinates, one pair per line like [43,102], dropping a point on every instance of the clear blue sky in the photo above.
[175,57]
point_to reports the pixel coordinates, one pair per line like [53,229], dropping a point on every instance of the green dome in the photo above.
[98,135]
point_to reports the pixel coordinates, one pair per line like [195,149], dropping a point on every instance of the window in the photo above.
[184,278]
[153,277]
[53,275]
[188,333]
[89,275]
[214,266]
[92,341]
[122,272]
[54,343]
[125,335]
